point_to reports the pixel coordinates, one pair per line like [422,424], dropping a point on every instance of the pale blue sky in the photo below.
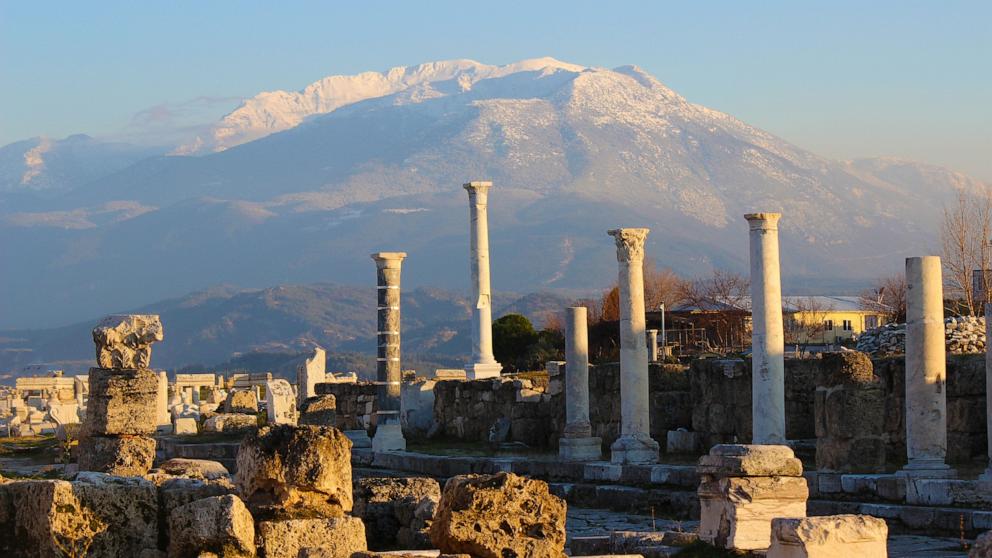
[841,78]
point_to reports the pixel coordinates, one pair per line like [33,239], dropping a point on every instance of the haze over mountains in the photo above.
[299,187]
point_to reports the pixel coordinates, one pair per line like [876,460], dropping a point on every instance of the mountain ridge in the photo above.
[572,151]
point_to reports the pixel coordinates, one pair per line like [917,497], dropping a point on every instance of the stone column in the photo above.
[483,364]
[987,475]
[926,370]
[388,432]
[577,443]
[652,345]
[767,337]
[634,444]
[162,403]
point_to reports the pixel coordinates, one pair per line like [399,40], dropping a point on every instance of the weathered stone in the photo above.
[123,456]
[736,512]
[219,524]
[397,512]
[122,402]
[296,471]
[193,468]
[320,410]
[339,537]
[233,422]
[185,426]
[832,536]
[96,515]
[280,403]
[982,547]
[241,401]
[125,340]
[174,492]
[845,367]
[499,516]
[738,460]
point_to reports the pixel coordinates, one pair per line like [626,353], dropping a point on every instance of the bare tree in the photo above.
[964,235]
[887,297]
[722,295]
[660,285]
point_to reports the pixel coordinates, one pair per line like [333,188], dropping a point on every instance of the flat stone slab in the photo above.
[831,536]
[739,460]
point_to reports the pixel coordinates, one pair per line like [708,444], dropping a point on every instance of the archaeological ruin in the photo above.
[853,453]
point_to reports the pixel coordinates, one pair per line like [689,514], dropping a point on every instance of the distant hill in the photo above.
[299,187]
[267,329]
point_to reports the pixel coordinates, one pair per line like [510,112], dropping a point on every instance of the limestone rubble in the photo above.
[219,524]
[499,516]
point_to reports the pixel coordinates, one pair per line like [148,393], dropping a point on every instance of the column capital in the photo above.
[478,187]
[630,243]
[763,221]
[385,260]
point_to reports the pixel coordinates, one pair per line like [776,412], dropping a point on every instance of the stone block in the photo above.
[122,402]
[218,524]
[122,456]
[738,460]
[174,492]
[580,449]
[499,516]
[736,512]
[243,401]
[832,536]
[96,515]
[185,426]
[681,441]
[295,471]
[397,512]
[231,422]
[193,468]
[339,537]
[320,410]
[982,547]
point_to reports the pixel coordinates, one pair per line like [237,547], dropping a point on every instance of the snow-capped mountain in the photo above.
[274,111]
[357,164]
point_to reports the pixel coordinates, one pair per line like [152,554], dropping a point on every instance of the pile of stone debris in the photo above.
[965,334]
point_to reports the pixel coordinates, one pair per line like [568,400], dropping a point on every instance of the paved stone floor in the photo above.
[585,522]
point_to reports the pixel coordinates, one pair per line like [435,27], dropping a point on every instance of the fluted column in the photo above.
[483,364]
[577,443]
[388,433]
[634,444]
[767,336]
[926,370]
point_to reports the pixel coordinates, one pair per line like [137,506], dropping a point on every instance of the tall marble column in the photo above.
[652,345]
[767,336]
[634,444]
[577,442]
[162,403]
[483,364]
[388,431]
[926,370]
[987,475]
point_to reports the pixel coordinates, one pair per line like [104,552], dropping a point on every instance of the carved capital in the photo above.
[630,243]
[388,260]
[763,221]
[478,191]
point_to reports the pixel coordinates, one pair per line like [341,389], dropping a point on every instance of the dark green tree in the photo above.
[513,336]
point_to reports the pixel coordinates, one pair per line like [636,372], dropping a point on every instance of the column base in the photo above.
[927,469]
[634,449]
[580,449]
[388,437]
[359,438]
[480,370]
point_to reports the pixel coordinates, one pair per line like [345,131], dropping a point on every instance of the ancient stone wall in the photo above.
[721,400]
[356,403]
[517,410]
